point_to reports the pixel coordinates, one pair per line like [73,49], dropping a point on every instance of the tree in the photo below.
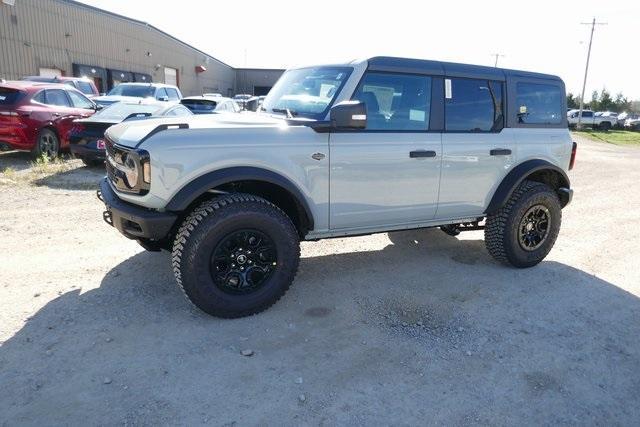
[594,104]
[573,101]
[605,102]
[621,103]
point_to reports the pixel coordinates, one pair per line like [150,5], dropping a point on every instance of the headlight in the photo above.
[131,171]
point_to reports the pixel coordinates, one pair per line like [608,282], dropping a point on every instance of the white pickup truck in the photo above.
[591,119]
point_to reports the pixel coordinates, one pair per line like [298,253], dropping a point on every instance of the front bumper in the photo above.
[133,221]
[88,151]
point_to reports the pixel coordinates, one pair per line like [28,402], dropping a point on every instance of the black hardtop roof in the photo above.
[453,69]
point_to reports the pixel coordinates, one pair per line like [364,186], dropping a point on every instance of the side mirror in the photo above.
[163,98]
[349,115]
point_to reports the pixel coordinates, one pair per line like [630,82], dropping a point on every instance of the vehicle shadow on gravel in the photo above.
[427,328]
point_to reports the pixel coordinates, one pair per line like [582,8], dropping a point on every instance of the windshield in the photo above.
[306,92]
[132,90]
[118,112]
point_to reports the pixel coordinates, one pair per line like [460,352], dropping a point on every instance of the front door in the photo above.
[478,151]
[389,173]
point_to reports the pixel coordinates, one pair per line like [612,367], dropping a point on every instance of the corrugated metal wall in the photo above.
[38,34]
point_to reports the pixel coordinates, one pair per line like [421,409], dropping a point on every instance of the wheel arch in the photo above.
[252,180]
[534,170]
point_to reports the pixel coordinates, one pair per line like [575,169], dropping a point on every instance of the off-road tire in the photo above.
[501,229]
[605,126]
[47,144]
[206,227]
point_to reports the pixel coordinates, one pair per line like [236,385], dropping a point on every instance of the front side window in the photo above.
[161,93]
[173,94]
[473,105]
[80,101]
[306,92]
[539,103]
[57,97]
[396,102]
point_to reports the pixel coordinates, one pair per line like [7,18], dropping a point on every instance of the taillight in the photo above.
[9,113]
[573,156]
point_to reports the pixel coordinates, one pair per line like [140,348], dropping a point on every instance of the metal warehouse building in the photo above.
[64,37]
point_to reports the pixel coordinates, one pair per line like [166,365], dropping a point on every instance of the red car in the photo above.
[37,117]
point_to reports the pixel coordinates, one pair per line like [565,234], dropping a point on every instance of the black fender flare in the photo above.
[518,174]
[190,192]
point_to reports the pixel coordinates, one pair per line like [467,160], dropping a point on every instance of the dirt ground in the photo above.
[392,329]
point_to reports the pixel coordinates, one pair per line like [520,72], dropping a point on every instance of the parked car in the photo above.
[136,91]
[210,104]
[591,119]
[87,135]
[37,117]
[632,123]
[83,84]
[623,117]
[241,99]
[365,147]
[214,94]
[254,103]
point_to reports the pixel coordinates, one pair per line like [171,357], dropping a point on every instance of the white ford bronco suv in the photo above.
[364,147]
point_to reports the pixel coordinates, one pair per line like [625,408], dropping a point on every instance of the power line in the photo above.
[586,68]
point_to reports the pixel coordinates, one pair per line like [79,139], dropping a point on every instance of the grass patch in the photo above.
[38,171]
[618,137]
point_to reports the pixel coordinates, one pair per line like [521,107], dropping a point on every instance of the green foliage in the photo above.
[602,101]
[618,137]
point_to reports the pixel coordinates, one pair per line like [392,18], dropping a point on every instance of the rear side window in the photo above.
[539,103]
[396,102]
[57,97]
[473,105]
[39,97]
[9,96]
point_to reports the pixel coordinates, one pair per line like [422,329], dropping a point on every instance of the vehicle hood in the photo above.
[129,134]
[112,99]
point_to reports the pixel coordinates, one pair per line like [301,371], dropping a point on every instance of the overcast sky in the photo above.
[544,36]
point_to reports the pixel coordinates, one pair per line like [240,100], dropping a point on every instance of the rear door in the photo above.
[389,173]
[63,113]
[478,150]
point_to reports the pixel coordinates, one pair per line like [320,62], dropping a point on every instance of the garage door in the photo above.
[171,76]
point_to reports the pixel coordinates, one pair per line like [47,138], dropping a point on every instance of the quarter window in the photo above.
[473,105]
[396,102]
[539,103]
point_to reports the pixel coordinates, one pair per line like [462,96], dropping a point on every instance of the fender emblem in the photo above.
[317,156]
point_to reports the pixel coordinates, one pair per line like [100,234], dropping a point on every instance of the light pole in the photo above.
[586,69]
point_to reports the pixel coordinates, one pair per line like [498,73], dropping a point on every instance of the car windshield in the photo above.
[306,92]
[132,90]
[118,112]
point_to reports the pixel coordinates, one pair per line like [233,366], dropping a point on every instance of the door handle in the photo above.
[500,152]
[421,153]
[56,114]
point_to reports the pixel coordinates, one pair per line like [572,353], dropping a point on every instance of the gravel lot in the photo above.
[403,328]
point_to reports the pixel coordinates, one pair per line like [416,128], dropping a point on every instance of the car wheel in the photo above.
[525,229]
[235,255]
[47,145]
[605,126]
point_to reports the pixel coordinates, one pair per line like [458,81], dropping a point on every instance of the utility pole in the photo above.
[497,55]
[586,69]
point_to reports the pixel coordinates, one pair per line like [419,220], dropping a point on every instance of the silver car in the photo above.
[339,150]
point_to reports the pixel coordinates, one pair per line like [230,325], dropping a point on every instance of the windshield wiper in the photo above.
[290,113]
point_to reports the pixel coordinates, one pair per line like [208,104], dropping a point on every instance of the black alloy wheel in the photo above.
[534,228]
[243,261]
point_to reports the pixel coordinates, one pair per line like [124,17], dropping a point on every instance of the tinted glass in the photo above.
[38,97]
[80,101]
[587,114]
[132,90]
[200,106]
[474,106]
[173,94]
[9,96]
[85,87]
[57,97]
[161,92]
[120,111]
[395,101]
[539,103]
